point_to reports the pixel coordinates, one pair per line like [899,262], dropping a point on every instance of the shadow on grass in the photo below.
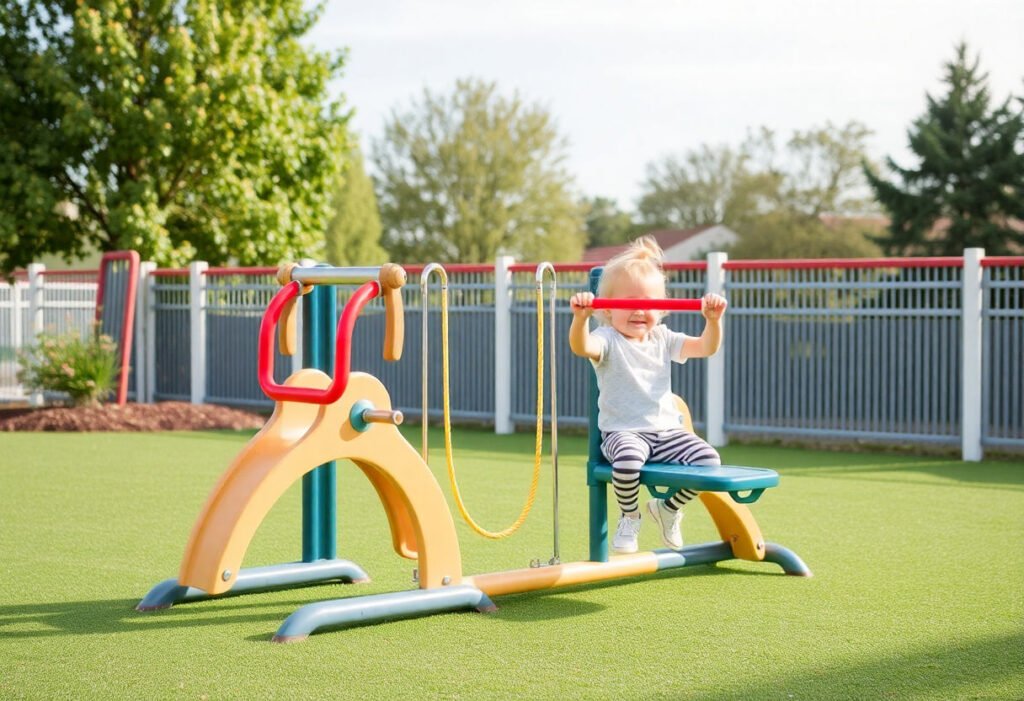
[119,615]
[947,671]
[548,604]
[552,604]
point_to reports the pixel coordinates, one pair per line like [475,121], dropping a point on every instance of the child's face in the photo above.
[635,324]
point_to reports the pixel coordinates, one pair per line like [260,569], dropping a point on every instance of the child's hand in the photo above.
[581,304]
[713,306]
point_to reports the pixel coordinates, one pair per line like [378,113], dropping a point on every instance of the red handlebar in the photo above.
[669,305]
[342,348]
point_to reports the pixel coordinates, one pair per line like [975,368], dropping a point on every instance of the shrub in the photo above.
[86,369]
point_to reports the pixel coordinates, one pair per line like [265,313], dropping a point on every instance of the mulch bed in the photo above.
[162,416]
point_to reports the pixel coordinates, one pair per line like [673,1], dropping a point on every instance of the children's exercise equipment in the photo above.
[325,412]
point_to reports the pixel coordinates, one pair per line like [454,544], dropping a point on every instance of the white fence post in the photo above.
[503,345]
[715,387]
[17,317]
[197,328]
[142,333]
[971,375]
[36,301]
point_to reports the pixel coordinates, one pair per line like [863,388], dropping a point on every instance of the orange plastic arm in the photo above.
[391,279]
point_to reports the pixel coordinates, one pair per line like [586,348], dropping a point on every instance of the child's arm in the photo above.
[708,343]
[580,341]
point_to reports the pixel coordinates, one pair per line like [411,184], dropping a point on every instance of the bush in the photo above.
[86,369]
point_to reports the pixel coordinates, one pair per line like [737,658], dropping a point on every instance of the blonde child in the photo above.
[632,354]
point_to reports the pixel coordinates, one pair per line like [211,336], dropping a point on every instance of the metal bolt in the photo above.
[446,581]
[225,575]
[415,575]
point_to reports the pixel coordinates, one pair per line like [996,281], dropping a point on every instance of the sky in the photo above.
[629,83]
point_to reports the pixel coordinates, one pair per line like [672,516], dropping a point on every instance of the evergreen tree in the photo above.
[970,172]
[353,236]
[178,129]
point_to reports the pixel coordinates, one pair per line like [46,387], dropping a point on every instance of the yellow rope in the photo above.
[538,446]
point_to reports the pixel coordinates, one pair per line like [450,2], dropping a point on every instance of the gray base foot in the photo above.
[293,574]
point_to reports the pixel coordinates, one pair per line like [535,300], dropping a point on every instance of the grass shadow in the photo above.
[946,672]
[553,604]
[105,616]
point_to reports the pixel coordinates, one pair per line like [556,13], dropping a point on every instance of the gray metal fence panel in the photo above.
[234,308]
[172,335]
[1003,356]
[117,279]
[844,352]
[572,372]
[471,347]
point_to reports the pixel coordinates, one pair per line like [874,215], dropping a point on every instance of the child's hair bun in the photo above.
[647,248]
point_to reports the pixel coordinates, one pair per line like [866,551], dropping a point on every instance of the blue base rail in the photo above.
[292,574]
[379,607]
[341,613]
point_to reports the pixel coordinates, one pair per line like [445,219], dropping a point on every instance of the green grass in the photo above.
[917,593]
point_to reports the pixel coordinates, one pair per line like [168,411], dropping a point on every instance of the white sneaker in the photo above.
[669,521]
[626,534]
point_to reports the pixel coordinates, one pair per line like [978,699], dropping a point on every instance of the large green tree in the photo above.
[467,175]
[781,197]
[353,236]
[606,224]
[181,129]
[970,172]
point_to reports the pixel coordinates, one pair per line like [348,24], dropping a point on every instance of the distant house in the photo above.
[679,245]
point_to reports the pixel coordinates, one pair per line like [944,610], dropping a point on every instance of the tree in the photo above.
[708,185]
[968,184]
[353,236]
[464,177]
[606,224]
[782,234]
[183,129]
[775,196]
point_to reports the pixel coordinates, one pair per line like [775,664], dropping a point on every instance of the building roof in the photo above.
[666,238]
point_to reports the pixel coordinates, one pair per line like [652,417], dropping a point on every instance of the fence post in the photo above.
[197,327]
[971,372]
[143,373]
[17,317]
[503,345]
[715,387]
[36,300]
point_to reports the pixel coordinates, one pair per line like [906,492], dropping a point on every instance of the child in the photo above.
[632,354]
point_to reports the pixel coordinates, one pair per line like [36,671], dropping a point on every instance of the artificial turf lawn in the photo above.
[917,593]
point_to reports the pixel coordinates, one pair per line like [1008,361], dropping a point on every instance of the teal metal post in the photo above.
[598,490]
[320,486]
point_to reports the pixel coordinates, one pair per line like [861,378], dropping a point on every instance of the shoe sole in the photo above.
[655,512]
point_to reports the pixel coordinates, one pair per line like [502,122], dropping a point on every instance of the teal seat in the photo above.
[744,484]
[663,480]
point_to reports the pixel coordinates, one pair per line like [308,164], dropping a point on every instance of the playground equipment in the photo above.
[326,412]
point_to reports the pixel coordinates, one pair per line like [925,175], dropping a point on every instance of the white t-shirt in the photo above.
[635,381]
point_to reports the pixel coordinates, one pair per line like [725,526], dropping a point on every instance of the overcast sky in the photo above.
[629,82]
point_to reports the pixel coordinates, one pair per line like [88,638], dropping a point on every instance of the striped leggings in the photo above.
[627,451]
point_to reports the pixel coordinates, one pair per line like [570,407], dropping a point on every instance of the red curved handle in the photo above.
[342,347]
[668,305]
